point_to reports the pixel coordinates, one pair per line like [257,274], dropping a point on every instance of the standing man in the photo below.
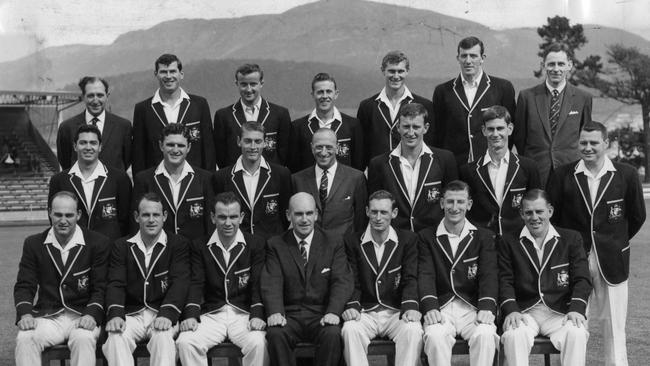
[603,200]
[413,172]
[262,186]
[171,104]
[149,275]
[64,269]
[341,190]
[550,115]
[498,179]
[349,135]
[379,114]
[249,79]
[385,298]
[306,282]
[104,191]
[117,131]
[459,102]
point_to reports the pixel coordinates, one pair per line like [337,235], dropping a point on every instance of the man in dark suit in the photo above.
[149,275]
[499,178]
[104,191]
[340,191]
[306,282]
[249,79]
[116,131]
[349,135]
[413,172]
[603,200]
[64,269]
[379,114]
[171,104]
[262,186]
[186,190]
[549,116]
[458,103]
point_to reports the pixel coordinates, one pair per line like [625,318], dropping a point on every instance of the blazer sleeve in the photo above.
[257,263]
[192,307]
[410,275]
[284,130]
[507,294]
[520,124]
[102,252]
[579,275]
[139,144]
[117,280]
[360,201]
[427,289]
[272,282]
[27,280]
[488,269]
[351,243]
[586,113]
[64,146]
[207,140]
[219,137]
[508,101]
[179,281]
[635,204]
[341,283]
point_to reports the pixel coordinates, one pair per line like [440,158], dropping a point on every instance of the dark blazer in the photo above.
[607,226]
[277,127]
[191,218]
[345,206]
[457,125]
[561,281]
[470,276]
[532,133]
[348,134]
[265,216]
[521,176]
[149,120]
[162,286]
[323,286]
[215,284]
[436,170]
[391,283]
[77,286]
[380,133]
[109,212]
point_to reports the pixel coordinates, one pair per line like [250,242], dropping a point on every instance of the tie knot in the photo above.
[324,171]
[251,109]
[94,121]
[555,92]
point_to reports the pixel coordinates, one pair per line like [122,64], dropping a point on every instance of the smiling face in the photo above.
[497,131]
[64,215]
[592,146]
[470,61]
[150,217]
[87,147]
[251,144]
[380,213]
[557,67]
[95,97]
[395,75]
[536,215]
[174,149]
[227,219]
[324,94]
[250,86]
[323,146]
[302,214]
[455,205]
[169,77]
[412,130]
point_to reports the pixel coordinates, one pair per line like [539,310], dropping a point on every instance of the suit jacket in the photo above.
[609,224]
[77,286]
[345,206]
[348,134]
[532,133]
[265,216]
[277,127]
[116,141]
[162,286]
[390,284]
[323,286]
[561,281]
[521,176]
[436,170]
[149,120]
[457,125]
[109,212]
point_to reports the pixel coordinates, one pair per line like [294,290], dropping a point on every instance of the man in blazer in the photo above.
[171,104]
[224,300]
[249,79]
[186,190]
[547,126]
[603,200]
[116,131]
[413,172]
[103,191]
[262,186]
[458,284]
[544,286]
[385,298]
[149,275]
[379,114]
[64,268]
[306,282]
[339,191]
[499,178]
[349,135]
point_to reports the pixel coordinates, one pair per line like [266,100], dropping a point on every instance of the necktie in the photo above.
[303,252]
[322,190]
[554,114]
[94,121]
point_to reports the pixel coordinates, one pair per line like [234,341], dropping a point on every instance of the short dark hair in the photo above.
[382,195]
[91,79]
[412,110]
[535,194]
[63,194]
[175,129]
[322,76]
[394,58]
[251,126]
[556,47]
[167,59]
[149,196]
[457,185]
[226,198]
[87,129]
[595,126]
[246,69]
[494,112]
[469,42]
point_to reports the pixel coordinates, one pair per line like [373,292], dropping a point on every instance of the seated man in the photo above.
[385,299]
[529,271]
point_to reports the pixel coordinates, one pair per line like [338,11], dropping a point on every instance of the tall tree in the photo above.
[559,30]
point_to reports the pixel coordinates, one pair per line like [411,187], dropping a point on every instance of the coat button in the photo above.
[453,271]
[64,286]
[146,283]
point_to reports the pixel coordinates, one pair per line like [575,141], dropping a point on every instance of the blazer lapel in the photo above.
[182,111]
[160,113]
[338,180]
[565,108]
[548,250]
[336,124]
[265,110]
[97,189]
[234,255]
[583,186]
[385,114]
[265,177]
[531,253]
[55,256]
[185,186]
[217,255]
[158,250]
[513,169]
[484,176]
[238,180]
[459,91]
[463,244]
[313,125]
[72,258]
[238,113]
[395,168]
[542,103]
[107,132]
[443,242]
[163,185]
[292,246]
[311,182]
[389,249]
[370,256]
[602,187]
[79,189]
[425,166]
[138,256]
[483,86]
[314,255]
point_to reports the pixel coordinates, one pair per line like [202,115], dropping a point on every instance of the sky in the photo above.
[29,25]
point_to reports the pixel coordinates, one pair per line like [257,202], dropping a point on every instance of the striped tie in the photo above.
[322,190]
[303,252]
[94,121]
[554,115]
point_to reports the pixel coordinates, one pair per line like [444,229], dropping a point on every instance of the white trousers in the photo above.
[357,335]
[460,319]
[569,339]
[119,347]
[213,329]
[53,330]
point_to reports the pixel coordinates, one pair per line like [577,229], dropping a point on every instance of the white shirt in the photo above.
[594,180]
[331,171]
[470,88]
[307,241]
[326,124]
[88,184]
[77,239]
[251,115]
[497,172]
[101,119]
[454,240]
[550,234]
[250,179]
[379,247]
[394,110]
[171,110]
[410,173]
[559,89]
[214,239]
[148,252]
[174,185]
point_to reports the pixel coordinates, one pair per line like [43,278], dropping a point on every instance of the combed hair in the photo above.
[88,129]
[394,58]
[595,126]
[382,195]
[322,76]
[226,198]
[469,42]
[167,59]
[174,129]
[151,197]
[535,194]
[91,79]
[412,110]
[63,194]
[251,126]
[496,112]
[246,69]
[555,47]
[457,185]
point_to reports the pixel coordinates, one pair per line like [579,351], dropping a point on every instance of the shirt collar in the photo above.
[77,238]
[607,167]
[157,99]
[257,104]
[384,97]
[214,239]
[100,171]
[476,81]
[239,165]
[488,159]
[101,117]
[398,150]
[336,116]
[308,239]
[367,236]
[559,88]
[550,234]
[137,239]
[442,230]
[187,169]
[330,170]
